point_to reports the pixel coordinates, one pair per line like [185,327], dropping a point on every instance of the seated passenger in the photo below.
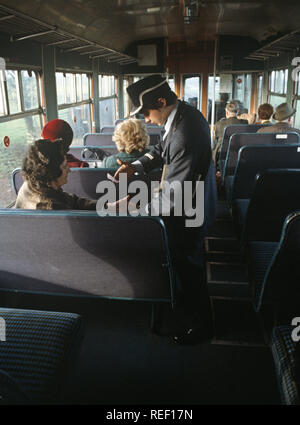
[264,112]
[283,114]
[231,111]
[60,129]
[131,139]
[45,170]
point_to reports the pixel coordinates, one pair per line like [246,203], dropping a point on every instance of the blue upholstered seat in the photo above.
[286,361]
[38,351]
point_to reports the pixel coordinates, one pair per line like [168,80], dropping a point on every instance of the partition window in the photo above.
[192,90]
[74,102]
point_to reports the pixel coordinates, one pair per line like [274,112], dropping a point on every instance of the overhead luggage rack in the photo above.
[23,27]
[284,44]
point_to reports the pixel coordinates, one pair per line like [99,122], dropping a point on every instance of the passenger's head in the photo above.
[232,109]
[153,97]
[224,97]
[265,111]
[45,165]
[131,134]
[284,112]
[58,129]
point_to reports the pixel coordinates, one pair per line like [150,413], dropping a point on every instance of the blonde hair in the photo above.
[131,134]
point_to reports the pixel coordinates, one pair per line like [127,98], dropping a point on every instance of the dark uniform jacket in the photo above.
[186,151]
[54,200]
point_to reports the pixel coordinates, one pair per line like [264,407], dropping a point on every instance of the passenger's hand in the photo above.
[127,168]
[120,205]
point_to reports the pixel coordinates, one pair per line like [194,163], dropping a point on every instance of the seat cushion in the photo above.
[228,188]
[286,363]
[259,257]
[239,213]
[37,350]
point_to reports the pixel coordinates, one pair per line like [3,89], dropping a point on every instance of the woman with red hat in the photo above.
[60,129]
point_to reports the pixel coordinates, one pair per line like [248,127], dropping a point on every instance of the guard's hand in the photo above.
[121,204]
[129,169]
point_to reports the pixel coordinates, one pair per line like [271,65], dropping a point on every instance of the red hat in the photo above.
[58,129]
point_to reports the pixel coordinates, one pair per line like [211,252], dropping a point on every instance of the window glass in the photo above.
[275,100]
[30,93]
[70,88]
[107,112]
[285,81]
[79,118]
[171,82]
[125,98]
[78,88]
[106,85]
[272,81]
[21,132]
[60,88]
[85,87]
[3,110]
[297,115]
[13,91]
[259,89]
[242,91]
[192,90]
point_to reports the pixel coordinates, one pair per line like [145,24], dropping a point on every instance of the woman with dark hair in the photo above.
[265,112]
[45,170]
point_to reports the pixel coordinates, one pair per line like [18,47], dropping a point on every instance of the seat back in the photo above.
[275,195]
[150,129]
[258,158]
[238,140]
[81,254]
[105,139]
[281,282]
[16,180]
[107,129]
[233,129]
[77,151]
[40,348]
[83,181]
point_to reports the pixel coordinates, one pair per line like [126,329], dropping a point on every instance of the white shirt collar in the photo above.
[170,120]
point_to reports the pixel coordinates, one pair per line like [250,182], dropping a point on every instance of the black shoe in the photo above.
[193,336]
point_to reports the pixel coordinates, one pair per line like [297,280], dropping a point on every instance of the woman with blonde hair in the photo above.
[131,139]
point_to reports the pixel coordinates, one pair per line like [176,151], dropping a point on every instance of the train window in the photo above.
[30,90]
[171,82]
[21,122]
[3,110]
[78,88]
[21,131]
[277,87]
[73,98]
[107,101]
[296,102]
[85,87]
[13,91]
[259,90]
[192,90]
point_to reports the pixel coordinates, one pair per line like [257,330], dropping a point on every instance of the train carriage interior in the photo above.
[87,301]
